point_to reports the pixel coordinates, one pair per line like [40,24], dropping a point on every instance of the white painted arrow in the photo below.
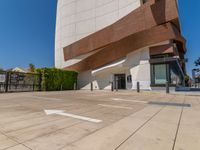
[62,113]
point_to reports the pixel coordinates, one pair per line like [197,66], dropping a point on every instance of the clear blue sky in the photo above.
[27,30]
[190,22]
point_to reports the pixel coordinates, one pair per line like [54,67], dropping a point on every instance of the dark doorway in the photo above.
[120,81]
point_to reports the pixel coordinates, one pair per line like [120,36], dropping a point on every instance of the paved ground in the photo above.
[84,120]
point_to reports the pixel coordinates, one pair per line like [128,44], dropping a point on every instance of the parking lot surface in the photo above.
[99,120]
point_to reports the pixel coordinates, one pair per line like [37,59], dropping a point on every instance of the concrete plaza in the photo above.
[99,120]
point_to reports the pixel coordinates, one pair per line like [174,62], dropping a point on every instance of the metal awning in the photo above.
[167,60]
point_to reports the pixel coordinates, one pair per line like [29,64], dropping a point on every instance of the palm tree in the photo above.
[31,68]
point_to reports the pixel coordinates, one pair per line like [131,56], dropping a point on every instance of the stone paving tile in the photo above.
[27,123]
[158,134]
[18,147]
[111,136]
[59,139]
[41,130]
[144,127]
[189,132]
[5,142]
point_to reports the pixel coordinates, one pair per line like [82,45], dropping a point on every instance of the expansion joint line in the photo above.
[139,128]
[178,127]
[142,126]
[18,143]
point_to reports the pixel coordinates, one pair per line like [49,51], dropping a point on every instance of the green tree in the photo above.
[197,62]
[31,68]
[57,79]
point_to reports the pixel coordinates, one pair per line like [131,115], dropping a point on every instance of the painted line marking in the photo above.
[115,106]
[126,100]
[62,113]
[46,98]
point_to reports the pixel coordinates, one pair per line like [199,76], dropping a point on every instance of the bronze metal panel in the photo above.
[129,44]
[162,49]
[149,15]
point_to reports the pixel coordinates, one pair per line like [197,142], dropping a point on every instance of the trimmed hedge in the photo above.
[56,79]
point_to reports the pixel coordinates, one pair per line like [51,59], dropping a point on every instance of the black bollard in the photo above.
[167,87]
[138,87]
[112,86]
[91,84]
[40,82]
[7,81]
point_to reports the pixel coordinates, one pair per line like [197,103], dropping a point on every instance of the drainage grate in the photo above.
[170,104]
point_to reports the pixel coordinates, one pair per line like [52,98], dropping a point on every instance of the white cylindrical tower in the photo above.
[77,19]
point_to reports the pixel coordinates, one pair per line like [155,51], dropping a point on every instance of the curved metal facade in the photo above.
[77,19]
[127,32]
[136,24]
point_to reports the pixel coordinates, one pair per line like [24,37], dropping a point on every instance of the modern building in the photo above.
[120,43]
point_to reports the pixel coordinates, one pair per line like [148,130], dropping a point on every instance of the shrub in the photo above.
[56,79]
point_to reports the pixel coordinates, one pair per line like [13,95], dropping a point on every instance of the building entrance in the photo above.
[120,81]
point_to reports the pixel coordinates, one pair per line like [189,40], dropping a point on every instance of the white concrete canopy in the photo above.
[113,66]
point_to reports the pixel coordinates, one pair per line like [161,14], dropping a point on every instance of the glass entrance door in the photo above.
[120,81]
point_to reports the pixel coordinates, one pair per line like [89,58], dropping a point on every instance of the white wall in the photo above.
[136,64]
[79,18]
[100,82]
[139,68]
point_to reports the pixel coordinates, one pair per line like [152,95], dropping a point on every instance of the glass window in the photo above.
[160,74]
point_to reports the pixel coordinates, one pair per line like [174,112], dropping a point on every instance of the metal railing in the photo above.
[19,82]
